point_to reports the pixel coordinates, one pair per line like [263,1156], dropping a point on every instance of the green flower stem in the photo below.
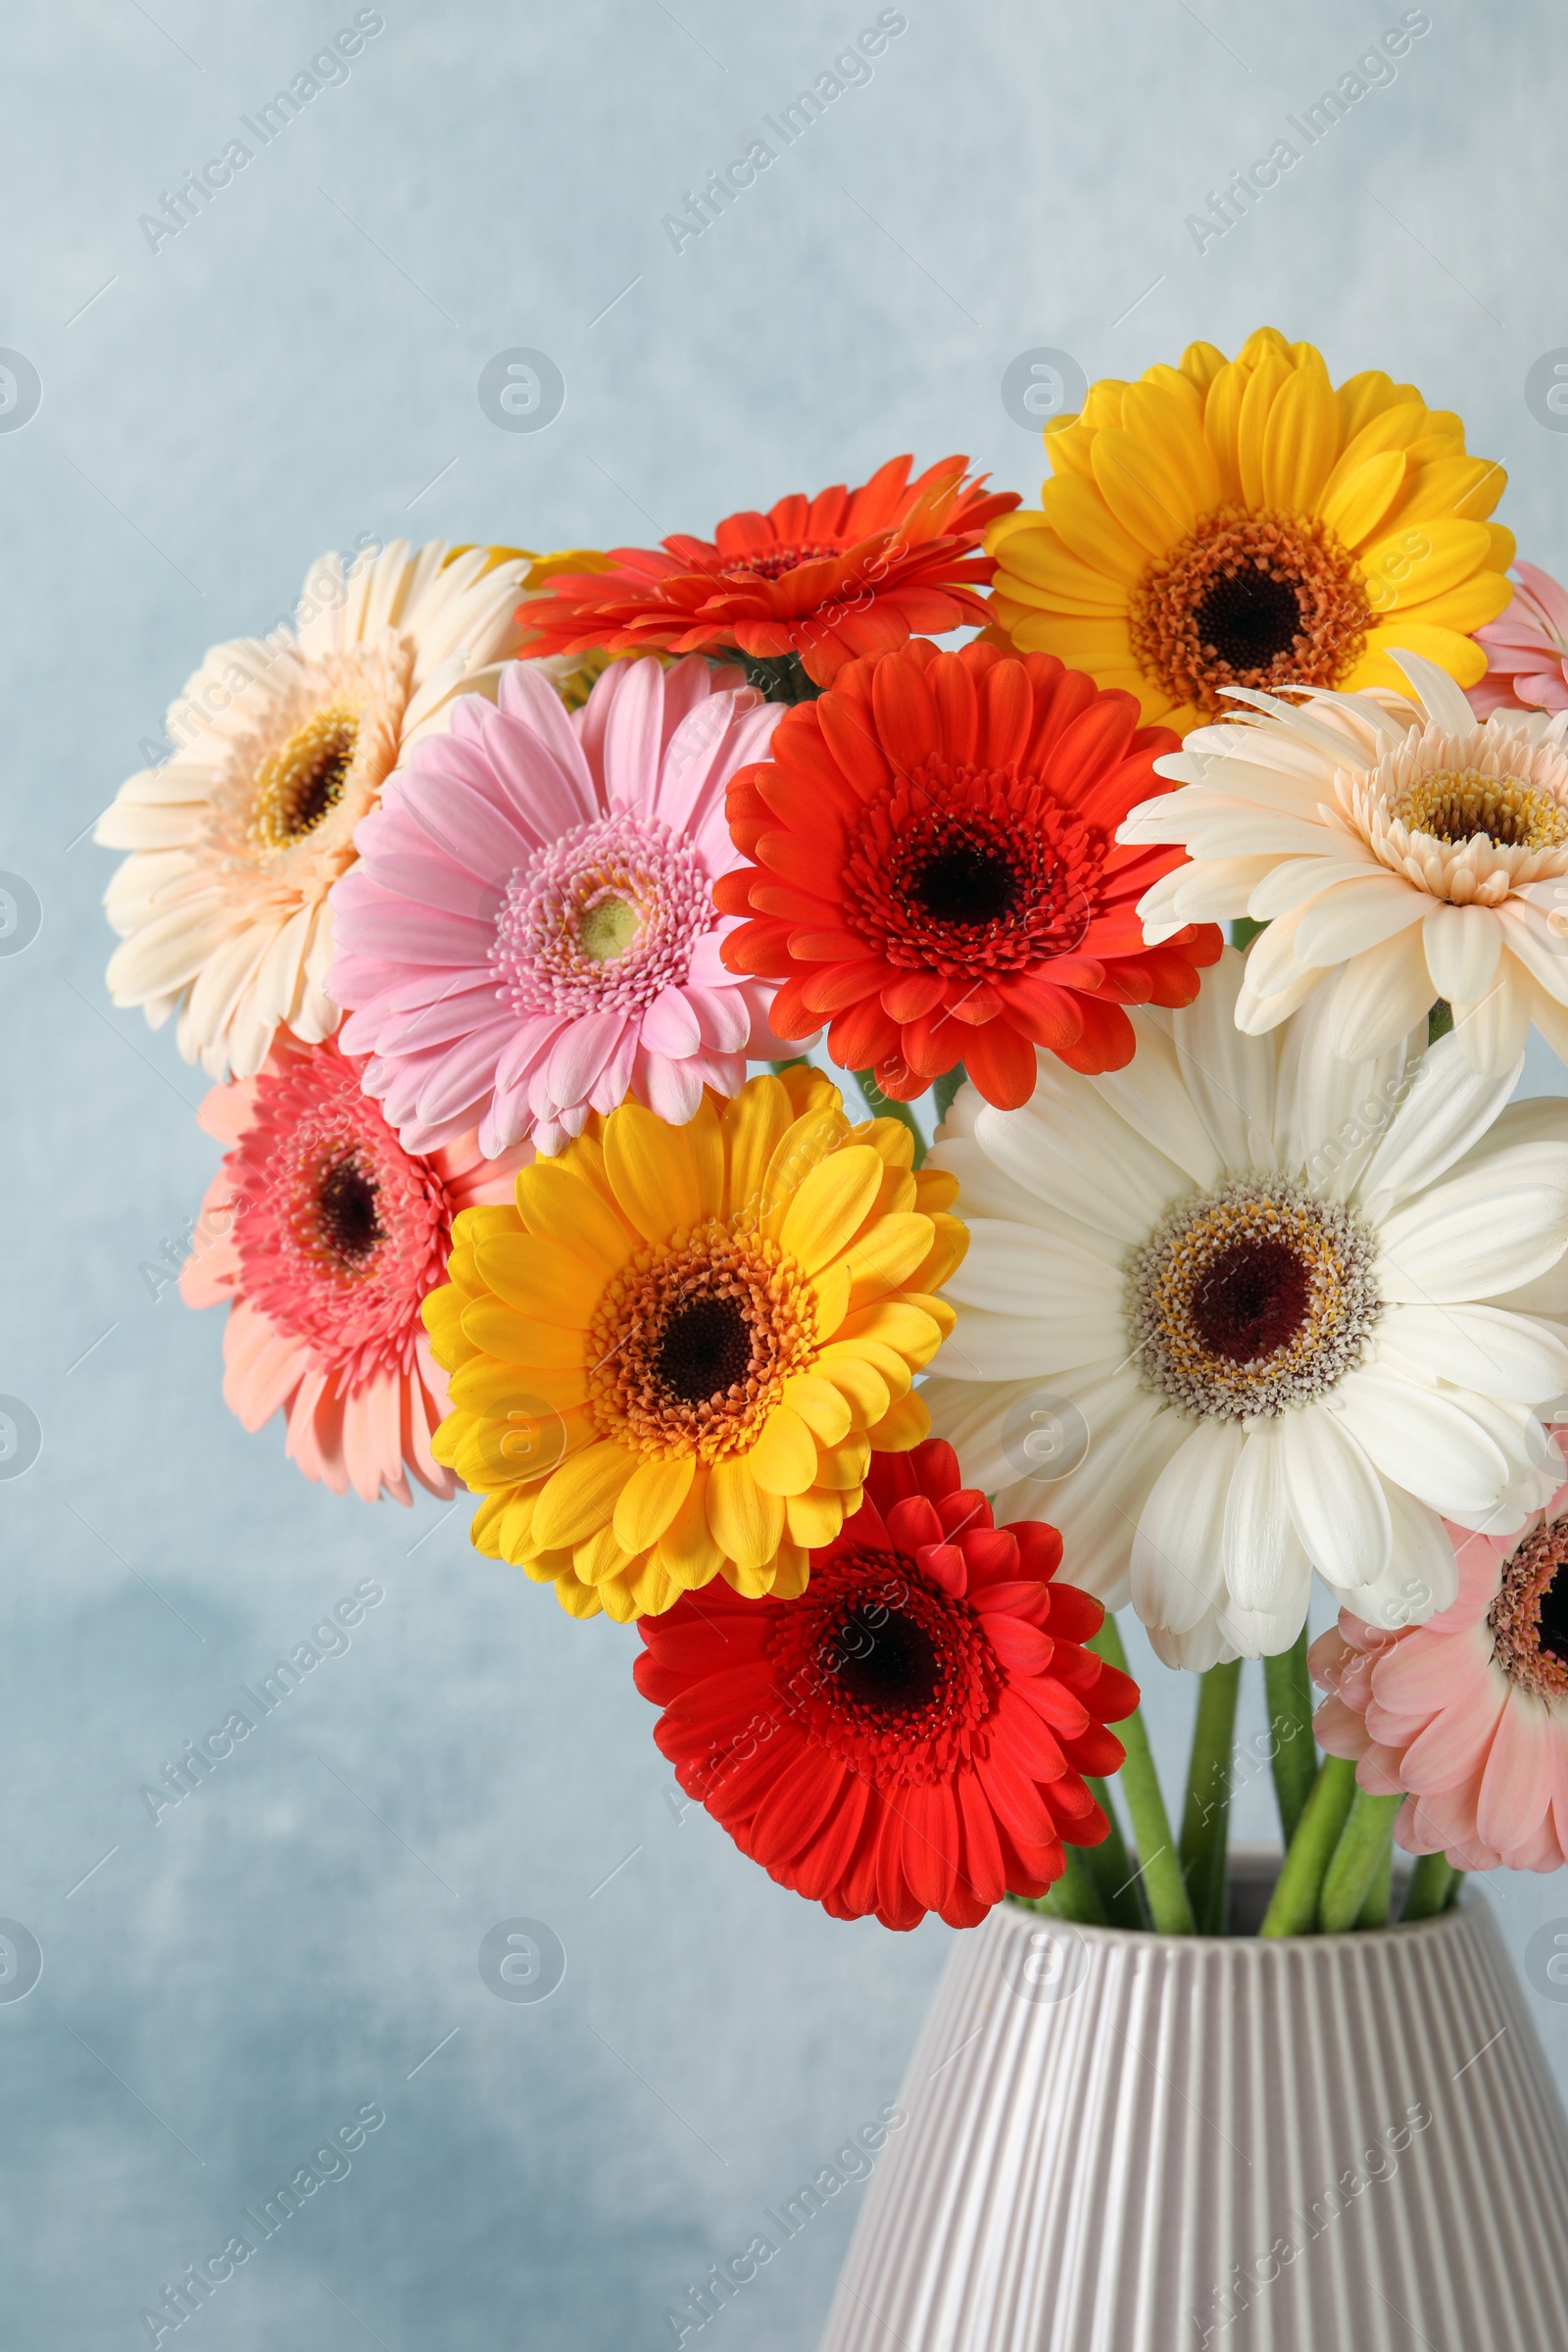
[1160,1869]
[883,1106]
[945,1087]
[1074,1895]
[1432,1888]
[1112,1867]
[1374,1912]
[1288,1689]
[1292,1906]
[1206,1815]
[1368,1824]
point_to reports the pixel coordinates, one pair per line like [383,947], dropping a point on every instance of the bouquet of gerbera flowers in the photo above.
[519,907]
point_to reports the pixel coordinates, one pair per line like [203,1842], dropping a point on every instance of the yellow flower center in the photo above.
[607,927]
[298,787]
[1249,597]
[1470,815]
[692,1345]
[1456,805]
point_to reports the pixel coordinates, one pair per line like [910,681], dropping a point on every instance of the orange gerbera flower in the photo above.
[935,871]
[811,584]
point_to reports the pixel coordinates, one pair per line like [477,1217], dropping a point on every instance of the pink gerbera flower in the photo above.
[530,933]
[1468,1713]
[1527,648]
[325,1237]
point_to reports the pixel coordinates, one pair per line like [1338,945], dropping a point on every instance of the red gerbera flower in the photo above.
[809,585]
[912,1734]
[936,870]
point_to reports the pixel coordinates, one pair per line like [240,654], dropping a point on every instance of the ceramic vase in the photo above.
[1125,2142]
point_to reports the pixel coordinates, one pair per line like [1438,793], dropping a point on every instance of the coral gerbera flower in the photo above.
[935,869]
[1278,1299]
[674,1358]
[1468,1714]
[285,744]
[808,586]
[1403,855]
[1242,523]
[530,932]
[1527,648]
[323,1238]
[911,1736]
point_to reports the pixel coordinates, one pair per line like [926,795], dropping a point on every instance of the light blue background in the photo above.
[231,1986]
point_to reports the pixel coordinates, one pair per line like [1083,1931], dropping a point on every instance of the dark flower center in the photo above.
[704,1349]
[1554,1618]
[885,1664]
[1249,619]
[883,1668]
[299,786]
[689,1349]
[348,1218]
[1249,597]
[1528,1619]
[1251,1299]
[320,786]
[966,882]
[972,873]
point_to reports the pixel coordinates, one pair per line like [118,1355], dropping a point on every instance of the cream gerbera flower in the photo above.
[1399,855]
[1272,1285]
[285,744]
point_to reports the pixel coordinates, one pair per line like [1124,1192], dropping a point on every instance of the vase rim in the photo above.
[1257,1866]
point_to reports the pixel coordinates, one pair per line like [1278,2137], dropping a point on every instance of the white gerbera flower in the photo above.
[1263,1283]
[1401,854]
[285,744]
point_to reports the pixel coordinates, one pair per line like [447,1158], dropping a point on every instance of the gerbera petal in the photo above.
[1447,1108]
[783,1460]
[830,1205]
[1480,1347]
[649,1501]
[1177,1561]
[1477,1238]
[1462,946]
[1422,1442]
[1335,1498]
[746,1522]
[1263,1555]
[580,1496]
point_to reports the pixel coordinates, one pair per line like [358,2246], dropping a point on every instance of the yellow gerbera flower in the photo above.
[1242,523]
[673,1360]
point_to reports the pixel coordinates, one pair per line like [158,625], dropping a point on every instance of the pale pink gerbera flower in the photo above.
[1468,1713]
[328,1238]
[1527,648]
[530,933]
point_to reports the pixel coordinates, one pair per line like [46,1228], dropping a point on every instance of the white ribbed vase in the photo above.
[1103,2125]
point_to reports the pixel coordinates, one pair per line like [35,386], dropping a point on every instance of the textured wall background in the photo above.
[297,368]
